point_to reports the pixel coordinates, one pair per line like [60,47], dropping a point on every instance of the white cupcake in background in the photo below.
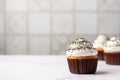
[99,44]
[112,51]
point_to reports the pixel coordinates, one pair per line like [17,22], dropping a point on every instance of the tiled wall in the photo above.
[46,26]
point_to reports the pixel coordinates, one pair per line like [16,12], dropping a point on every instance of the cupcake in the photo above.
[112,51]
[98,44]
[82,57]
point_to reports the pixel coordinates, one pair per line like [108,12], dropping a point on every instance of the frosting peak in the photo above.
[80,43]
[81,47]
[112,45]
[100,41]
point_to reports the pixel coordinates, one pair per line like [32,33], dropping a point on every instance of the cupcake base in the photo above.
[100,54]
[82,66]
[112,58]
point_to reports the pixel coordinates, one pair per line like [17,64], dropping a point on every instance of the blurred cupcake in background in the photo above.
[82,57]
[112,51]
[98,44]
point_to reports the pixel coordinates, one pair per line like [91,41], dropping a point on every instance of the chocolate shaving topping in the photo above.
[81,49]
[81,44]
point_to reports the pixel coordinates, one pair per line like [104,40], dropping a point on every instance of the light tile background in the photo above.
[62,5]
[85,5]
[1,5]
[16,45]
[1,45]
[89,21]
[1,23]
[16,5]
[39,5]
[15,23]
[109,19]
[39,45]
[39,23]
[62,23]
[109,5]
[36,27]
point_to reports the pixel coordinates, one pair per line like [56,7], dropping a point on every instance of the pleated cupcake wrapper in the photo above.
[82,66]
[112,58]
[101,55]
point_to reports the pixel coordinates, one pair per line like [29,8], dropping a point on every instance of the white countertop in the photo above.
[50,68]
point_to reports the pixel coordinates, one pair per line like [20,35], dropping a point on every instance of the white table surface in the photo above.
[50,68]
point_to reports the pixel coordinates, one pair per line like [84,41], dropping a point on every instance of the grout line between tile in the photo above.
[5,39]
[47,35]
[97,18]
[74,17]
[37,34]
[86,11]
[51,24]
[27,28]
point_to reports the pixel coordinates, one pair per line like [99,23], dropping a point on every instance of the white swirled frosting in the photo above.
[112,45]
[100,41]
[81,47]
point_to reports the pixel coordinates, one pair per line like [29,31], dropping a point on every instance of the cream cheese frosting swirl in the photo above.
[112,45]
[100,41]
[81,47]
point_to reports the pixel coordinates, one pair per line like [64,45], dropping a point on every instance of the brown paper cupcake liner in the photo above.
[101,55]
[82,66]
[112,58]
